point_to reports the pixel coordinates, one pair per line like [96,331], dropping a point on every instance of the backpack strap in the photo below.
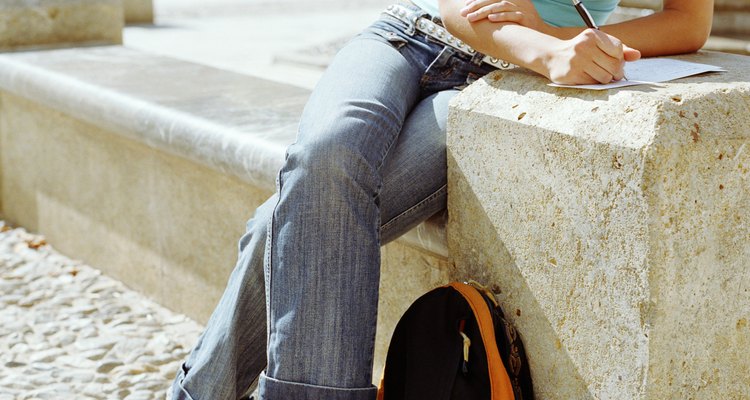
[500,385]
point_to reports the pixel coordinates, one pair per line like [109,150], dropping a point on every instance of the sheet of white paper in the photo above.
[652,70]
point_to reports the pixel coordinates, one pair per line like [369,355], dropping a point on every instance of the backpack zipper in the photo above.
[467,344]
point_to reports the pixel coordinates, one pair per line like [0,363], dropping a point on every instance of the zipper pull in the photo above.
[465,363]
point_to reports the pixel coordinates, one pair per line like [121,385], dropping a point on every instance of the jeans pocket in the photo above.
[396,40]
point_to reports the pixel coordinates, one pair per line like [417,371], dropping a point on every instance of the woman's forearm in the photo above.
[682,27]
[589,57]
[513,43]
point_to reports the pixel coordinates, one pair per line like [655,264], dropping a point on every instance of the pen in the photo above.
[587,19]
[584,13]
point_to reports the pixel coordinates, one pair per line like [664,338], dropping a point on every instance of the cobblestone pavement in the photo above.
[68,332]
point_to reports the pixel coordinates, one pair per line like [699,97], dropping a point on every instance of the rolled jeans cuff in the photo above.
[274,389]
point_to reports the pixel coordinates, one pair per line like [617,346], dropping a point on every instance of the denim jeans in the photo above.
[369,164]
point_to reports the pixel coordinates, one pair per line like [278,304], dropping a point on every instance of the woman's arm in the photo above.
[587,57]
[681,27]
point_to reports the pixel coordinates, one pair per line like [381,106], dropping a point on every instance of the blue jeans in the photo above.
[368,165]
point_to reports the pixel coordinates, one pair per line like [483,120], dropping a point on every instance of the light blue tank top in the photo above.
[553,12]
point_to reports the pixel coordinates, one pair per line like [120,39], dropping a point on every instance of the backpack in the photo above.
[455,343]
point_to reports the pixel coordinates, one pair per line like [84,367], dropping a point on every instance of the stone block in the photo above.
[615,225]
[138,11]
[59,23]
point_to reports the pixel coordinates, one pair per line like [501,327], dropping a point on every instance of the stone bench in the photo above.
[616,226]
[147,167]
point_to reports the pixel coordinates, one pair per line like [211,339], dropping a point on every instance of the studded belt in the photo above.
[439,33]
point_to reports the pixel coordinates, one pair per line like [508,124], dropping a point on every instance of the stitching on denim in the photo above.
[268,256]
[411,209]
[280,382]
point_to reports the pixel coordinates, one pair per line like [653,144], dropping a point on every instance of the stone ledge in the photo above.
[232,123]
[59,23]
[616,226]
[155,100]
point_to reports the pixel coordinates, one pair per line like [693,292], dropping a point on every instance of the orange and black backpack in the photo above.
[454,343]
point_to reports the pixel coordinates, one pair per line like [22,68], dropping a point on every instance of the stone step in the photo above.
[147,167]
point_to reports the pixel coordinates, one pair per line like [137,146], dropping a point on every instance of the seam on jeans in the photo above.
[268,256]
[290,383]
[411,209]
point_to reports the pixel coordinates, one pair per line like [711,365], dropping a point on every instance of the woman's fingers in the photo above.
[590,57]
[479,9]
[631,54]
[605,69]
[511,16]
[616,53]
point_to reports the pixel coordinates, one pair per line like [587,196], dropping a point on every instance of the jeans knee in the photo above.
[330,163]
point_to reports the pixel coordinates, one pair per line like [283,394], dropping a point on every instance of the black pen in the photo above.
[587,19]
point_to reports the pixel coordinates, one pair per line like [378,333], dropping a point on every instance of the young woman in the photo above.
[369,164]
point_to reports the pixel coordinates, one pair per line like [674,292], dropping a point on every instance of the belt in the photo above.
[439,33]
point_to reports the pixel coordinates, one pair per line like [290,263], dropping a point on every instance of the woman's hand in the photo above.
[521,12]
[591,57]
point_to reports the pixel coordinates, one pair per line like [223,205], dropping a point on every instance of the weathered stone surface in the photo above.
[52,23]
[616,224]
[138,11]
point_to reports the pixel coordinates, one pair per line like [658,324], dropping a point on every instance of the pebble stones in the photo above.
[67,331]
